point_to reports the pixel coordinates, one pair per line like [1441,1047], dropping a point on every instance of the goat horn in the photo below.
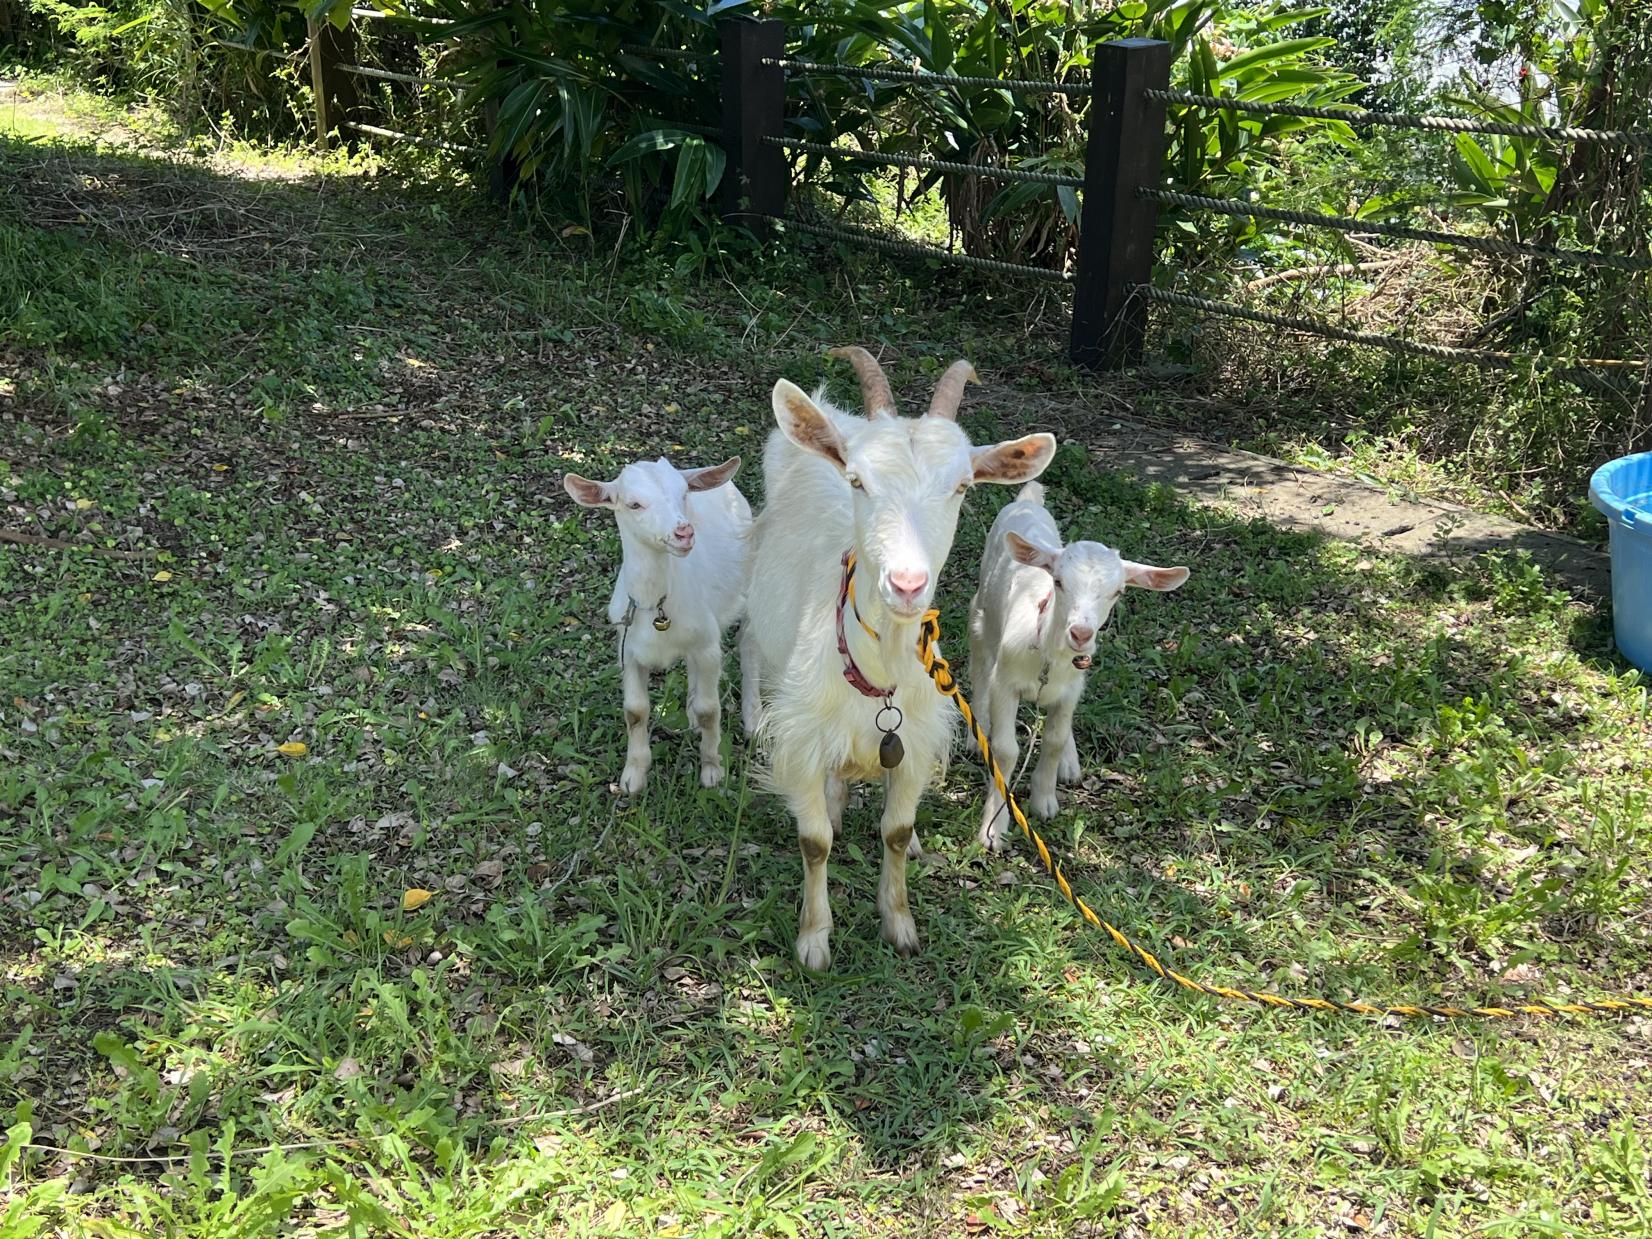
[950,390]
[874,387]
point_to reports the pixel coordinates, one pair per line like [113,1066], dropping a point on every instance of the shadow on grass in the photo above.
[1280,752]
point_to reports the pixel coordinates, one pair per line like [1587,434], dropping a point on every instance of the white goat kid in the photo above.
[682,582]
[839,647]
[1032,635]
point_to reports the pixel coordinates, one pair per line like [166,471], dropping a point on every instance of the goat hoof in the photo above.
[901,932]
[814,950]
[633,780]
[994,824]
[1044,806]
[1069,770]
[710,776]
[748,721]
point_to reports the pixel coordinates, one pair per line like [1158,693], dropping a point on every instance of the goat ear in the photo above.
[711,477]
[1146,576]
[1030,553]
[802,421]
[586,493]
[1017,460]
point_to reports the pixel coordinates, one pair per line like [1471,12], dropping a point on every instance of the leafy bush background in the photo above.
[611,140]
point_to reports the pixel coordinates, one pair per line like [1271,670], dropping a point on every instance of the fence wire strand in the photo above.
[1395,344]
[1404,120]
[411,79]
[934,165]
[663,53]
[381,16]
[1025,86]
[395,135]
[1340,223]
[914,249]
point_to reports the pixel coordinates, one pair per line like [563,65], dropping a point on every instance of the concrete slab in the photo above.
[1292,497]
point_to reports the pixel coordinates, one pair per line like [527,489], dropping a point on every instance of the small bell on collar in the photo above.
[890,748]
[662,621]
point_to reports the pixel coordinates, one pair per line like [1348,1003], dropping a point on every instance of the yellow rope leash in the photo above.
[929,632]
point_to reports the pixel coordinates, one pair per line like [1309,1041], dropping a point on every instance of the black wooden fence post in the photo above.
[754,108]
[1115,243]
[504,172]
[335,92]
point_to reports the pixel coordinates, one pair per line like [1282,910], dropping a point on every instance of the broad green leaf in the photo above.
[649,143]
[689,181]
[1067,196]
[1292,17]
[520,114]
[1284,50]
[17,1136]
[940,38]
[716,161]
[1476,162]
[135,23]
[582,110]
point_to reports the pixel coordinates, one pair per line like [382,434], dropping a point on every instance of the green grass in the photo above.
[325,423]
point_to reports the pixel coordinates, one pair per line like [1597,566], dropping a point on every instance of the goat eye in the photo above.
[963,486]
[854,480]
[634,506]
[1058,583]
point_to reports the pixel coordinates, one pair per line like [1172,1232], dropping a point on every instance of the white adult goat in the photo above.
[1032,634]
[685,536]
[887,491]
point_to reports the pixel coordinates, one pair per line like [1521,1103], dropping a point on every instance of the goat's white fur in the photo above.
[703,586]
[1019,652]
[889,488]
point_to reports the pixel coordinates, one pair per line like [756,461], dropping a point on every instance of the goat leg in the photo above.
[1058,737]
[1006,751]
[814,840]
[902,788]
[751,680]
[638,757]
[704,708]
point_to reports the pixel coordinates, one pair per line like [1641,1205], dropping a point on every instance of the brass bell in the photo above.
[661,623]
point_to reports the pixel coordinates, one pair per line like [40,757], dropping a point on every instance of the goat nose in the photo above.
[909,582]
[683,532]
[1080,633]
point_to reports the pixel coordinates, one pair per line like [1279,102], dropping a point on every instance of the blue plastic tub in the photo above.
[1623,490]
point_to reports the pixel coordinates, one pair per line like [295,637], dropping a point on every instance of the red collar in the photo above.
[856,677]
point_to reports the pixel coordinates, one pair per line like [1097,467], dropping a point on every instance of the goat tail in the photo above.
[1032,492]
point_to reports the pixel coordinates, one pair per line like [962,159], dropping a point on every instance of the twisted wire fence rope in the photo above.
[1029,176]
[395,135]
[663,53]
[1026,86]
[1373,227]
[412,79]
[914,249]
[1405,120]
[1396,344]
